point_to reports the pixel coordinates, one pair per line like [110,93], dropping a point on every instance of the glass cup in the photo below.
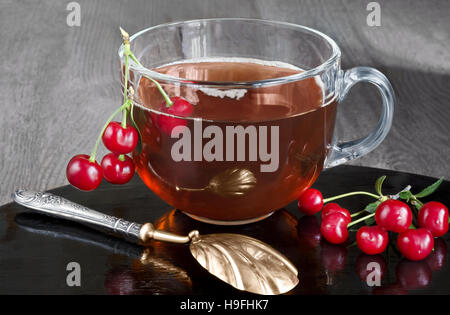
[249,147]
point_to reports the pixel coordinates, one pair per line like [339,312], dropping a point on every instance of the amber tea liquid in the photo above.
[305,126]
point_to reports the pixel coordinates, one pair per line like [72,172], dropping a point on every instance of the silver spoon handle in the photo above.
[60,207]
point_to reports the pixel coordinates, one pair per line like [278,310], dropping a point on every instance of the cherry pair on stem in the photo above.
[117,167]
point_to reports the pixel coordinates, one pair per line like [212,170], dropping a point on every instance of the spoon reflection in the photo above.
[148,272]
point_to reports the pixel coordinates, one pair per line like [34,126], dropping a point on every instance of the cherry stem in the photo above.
[416,202]
[351,194]
[127,102]
[361,219]
[357,213]
[123,107]
[158,86]
[128,53]
[125,88]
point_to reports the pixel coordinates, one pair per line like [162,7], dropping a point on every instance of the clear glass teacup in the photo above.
[264,97]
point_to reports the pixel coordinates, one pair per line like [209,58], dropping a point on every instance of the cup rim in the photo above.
[336,53]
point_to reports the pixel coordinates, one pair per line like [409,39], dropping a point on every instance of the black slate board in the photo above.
[35,249]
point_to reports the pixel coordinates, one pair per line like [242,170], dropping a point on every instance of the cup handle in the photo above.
[342,152]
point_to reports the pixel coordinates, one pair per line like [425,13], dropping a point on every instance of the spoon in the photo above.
[231,182]
[241,261]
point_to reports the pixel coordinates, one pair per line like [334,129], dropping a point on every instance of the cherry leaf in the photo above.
[372,207]
[430,189]
[379,184]
[405,195]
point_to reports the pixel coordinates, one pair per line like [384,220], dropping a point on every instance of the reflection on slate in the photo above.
[241,261]
[36,263]
[319,265]
[287,240]
[118,280]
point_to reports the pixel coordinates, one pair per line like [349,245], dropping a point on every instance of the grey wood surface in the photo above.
[59,83]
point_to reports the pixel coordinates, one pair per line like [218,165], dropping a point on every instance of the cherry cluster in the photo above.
[117,167]
[409,275]
[391,215]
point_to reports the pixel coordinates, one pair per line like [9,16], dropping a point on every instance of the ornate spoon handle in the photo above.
[60,207]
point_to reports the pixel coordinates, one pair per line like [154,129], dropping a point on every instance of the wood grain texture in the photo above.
[58,83]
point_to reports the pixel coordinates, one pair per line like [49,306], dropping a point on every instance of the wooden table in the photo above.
[35,250]
[60,83]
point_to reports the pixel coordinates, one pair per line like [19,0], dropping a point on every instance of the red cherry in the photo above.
[372,240]
[413,274]
[116,171]
[393,215]
[434,217]
[334,228]
[364,266]
[120,140]
[180,108]
[84,174]
[310,202]
[415,244]
[436,260]
[334,207]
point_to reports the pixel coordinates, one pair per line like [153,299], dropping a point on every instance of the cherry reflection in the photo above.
[368,265]
[412,275]
[437,258]
[390,289]
[120,281]
[333,258]
[309,231]
[416,275]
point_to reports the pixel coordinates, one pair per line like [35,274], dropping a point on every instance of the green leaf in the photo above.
[372,207]
[405,195]
[370,221]
[430,189]
[379,184]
